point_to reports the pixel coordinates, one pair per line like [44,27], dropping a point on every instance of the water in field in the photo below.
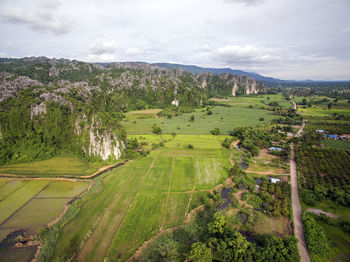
[226,199]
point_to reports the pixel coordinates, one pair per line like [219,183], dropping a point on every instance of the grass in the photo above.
[98,243]
[10,187]
[127,180]
[63,189]
[198,199]
[206,152]
[56,166]
[198,141]
[177,205]
[183,176]
[129,209]
[19,198]
[341,107]
[337,144]
[271,225]
[32,204]
[340,240]
[256,168]
[157,180]
[256,101]
[36,214]
[225,118]
[331,207]
[208,172]
[141,222]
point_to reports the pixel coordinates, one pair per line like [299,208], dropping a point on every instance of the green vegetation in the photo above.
[315,237]
[337,144]
[20,197]
[331,126]
[32,204]
[177,206]
[222,117]
[323,166]
[183,174]
[56,166]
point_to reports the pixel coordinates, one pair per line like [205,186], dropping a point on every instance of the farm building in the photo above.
[275,148]
[333,136]
[273,180]
[320,131]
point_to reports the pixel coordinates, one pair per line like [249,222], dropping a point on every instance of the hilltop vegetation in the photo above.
[50,106]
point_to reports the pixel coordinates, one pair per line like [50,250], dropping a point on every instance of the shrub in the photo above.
[156,129]
[215,131]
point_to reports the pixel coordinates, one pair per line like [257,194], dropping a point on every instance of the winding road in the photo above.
[298,224]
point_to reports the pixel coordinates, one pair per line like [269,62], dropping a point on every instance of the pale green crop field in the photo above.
[177,207]
[31,204]
[36,214]
[224,118]
[56,166]
[143,196]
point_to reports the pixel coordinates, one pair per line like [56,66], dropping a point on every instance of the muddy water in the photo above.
[226,199]
[10,253]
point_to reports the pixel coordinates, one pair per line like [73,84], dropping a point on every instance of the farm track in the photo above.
[298,224]
[321,212]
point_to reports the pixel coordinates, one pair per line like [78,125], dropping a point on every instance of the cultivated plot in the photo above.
[56,166]
[32,204]
[183,176]
[176,209]
[141,222]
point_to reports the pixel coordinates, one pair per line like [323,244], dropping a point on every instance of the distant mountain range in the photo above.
[270,81]
[199,70]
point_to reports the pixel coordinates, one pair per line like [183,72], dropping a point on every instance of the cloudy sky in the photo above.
[288,39]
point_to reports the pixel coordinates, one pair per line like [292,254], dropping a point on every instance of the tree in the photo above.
[315,236]
[215,131]
[192,118]
[200,252]
[261,119]
[156,129]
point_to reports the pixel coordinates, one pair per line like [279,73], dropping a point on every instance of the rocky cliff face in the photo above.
[230,84]
[103,144]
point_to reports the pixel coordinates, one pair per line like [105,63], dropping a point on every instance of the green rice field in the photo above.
[31,204]
[144,196]
[56,166]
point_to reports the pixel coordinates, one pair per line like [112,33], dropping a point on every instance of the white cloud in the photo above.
[43,17]
[265,36]
[246,2]
[132,51]
[236,54]
[101,58]
[103,47]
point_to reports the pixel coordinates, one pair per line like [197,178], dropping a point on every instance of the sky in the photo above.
[286,39]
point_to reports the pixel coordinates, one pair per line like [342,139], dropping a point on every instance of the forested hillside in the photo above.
[54,105]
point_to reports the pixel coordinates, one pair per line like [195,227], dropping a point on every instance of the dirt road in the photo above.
[298,225]
[300,131]
[294,104]
[321,212]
